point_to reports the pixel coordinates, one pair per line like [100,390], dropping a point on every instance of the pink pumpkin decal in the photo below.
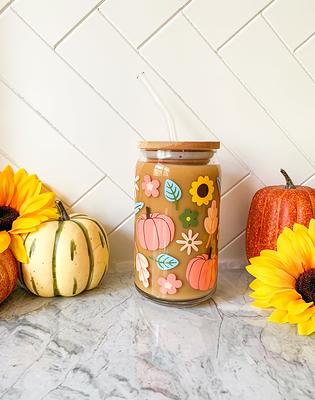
[202,272]
[155,231]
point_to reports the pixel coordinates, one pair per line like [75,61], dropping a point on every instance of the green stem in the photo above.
[64,216]
[289,184]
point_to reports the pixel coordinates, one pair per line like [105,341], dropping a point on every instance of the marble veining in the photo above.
[110,343]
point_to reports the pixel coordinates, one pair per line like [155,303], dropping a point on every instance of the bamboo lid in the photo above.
[179,146]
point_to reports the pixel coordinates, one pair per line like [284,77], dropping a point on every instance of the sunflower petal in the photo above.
[271,257]
[37,203]
[272,276]
[307,327]
[6,186]
[302,317]
[18,249]
[287,251]
[4,241]
[298,306]
[283,298]
[278,316]
[22,224]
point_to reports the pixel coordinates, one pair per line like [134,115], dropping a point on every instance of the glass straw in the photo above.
[159,102]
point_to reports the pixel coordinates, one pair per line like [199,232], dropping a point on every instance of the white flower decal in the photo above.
[136,182]
[189,241]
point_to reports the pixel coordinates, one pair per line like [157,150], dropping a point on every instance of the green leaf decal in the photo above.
[138,206]
[166,262]
[172,192]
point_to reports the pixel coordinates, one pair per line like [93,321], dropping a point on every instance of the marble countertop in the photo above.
[111,343]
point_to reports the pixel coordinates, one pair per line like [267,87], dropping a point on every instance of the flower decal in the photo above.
[142,268]
[189,218]
[170,284]
[285,278]
[189,241]
[150,187]
[202,190]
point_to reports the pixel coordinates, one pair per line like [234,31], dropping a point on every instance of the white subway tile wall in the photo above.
[72,108]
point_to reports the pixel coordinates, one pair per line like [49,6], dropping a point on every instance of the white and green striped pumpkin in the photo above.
[66,256]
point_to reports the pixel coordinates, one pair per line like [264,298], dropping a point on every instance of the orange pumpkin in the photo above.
[272,209]
[8,274]
[202,272]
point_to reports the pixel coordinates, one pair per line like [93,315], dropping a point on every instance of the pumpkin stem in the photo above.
[147,212]
[289,183]
[64,216]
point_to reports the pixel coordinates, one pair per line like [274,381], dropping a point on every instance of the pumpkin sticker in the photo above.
[165,262]
[189,241]
[154,231]
[138,206]
[201,190]
[172,192]
[170,284]
[142,267]
[189,218]
[211,221]
[201,272]
[150,187]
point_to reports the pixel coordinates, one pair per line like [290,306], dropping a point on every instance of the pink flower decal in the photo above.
[170,284]
[150,187]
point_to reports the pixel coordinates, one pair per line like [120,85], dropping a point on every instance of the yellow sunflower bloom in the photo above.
[23,207]
[285,278]
[201,190]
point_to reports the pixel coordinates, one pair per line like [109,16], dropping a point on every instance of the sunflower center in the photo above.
[305,285]
[203,190]
[7,216]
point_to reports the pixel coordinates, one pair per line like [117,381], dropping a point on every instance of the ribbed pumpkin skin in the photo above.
[65,257]
[272,209]
[201,272]
[8,274]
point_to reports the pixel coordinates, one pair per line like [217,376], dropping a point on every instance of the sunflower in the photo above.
[201,190]
[285,278]
[23,207]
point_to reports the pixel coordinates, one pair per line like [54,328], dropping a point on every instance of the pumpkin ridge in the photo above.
[190,268]
[90,253]
[262,221]
[157,234]
[280,202]
[5,293]
[34,286]
[169,230]
[83,216]
[57,237]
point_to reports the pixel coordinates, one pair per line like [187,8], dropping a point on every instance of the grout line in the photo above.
[260,104]
[238,183]
[288,49]
[50,124]
[304,42]
[122,223]
[78,23]
[232,241]
[87,191]
[244,26]
[2,10]
[80,76]
[307,179]
[163,24]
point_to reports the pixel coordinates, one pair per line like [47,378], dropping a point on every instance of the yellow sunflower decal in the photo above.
[201,190]
[286,278]
[23,207]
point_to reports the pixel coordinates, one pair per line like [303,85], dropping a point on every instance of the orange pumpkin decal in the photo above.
[8,274]
[272,209]
[202,272]
[155,231]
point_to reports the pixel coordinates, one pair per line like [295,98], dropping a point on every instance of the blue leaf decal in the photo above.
[172,192]
[138,206]
[165,262]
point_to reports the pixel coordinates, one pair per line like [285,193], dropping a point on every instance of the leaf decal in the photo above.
[138,206]
[142,267]
[166,262]
[172,192]
[211,221]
